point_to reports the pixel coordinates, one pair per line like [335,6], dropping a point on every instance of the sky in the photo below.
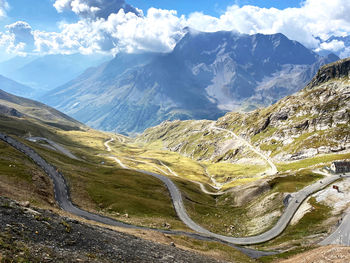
[209,7]
[111,26]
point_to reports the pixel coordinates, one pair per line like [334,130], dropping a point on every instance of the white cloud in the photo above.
[334,45]
[321,18]
[22,32]
[18,38]
[94,8]
[113,26]
[158,31]
[345,52]
[4,6]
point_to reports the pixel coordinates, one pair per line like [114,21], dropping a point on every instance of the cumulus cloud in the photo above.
[94,8]
[313,18]
[113,26]
[157,31]
[334,45]
[4,6]
[18,38]
[22,33]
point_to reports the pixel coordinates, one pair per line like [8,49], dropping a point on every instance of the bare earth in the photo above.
[331,254]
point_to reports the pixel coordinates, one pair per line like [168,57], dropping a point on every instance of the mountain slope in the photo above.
[15,87]
[11,105]
[206,75]
[313,121]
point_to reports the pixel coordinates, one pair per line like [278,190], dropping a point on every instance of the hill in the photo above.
[97,183]
[206,75]
[308,123]
[11,105]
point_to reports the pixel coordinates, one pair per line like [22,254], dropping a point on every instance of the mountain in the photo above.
[14,106]
[48,72]
[206,75]
[313,121]
[15,87]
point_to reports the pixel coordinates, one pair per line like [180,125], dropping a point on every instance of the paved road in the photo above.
[55,145]
[341,235]
[63,200]
[280,226]
[282,223]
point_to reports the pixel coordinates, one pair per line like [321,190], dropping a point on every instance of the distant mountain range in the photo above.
[43,73]
[206,75]
[14,87]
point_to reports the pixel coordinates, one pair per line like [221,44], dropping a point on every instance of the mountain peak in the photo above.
[339,69]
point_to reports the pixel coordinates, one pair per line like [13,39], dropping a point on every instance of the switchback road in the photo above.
[276,230]
[62,198]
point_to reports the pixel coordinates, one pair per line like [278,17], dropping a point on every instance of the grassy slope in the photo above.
[105,189]
[21,179]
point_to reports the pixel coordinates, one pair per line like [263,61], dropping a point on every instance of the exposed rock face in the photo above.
[205,76]
[315,120]
[336,70]
[9,111]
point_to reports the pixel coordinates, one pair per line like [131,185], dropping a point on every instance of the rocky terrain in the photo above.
[330,254]
[312,121]
[34,235]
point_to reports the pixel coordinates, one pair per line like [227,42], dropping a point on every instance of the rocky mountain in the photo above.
[313,121]
[47,72]
[14,87]
[206,75]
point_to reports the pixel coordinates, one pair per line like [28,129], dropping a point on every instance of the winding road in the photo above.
[54,145]
[276,230]
[63,199]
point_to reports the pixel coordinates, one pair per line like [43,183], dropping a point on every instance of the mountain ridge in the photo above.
[313,121]
[206,75]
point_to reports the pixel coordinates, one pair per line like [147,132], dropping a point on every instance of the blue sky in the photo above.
[210,7]
[41,14]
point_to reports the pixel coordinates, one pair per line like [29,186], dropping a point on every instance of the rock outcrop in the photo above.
[336,70]
[315,120]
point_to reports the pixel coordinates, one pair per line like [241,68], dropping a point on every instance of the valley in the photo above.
[147,184]
[174,131]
